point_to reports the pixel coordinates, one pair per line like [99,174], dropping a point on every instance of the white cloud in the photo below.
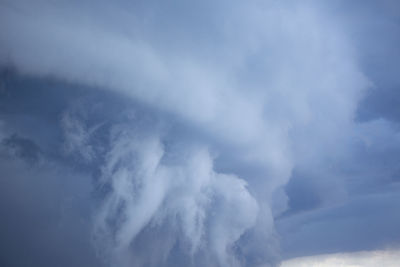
[382,258]
[210,208]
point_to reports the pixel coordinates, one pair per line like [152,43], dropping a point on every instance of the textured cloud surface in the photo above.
[204,134]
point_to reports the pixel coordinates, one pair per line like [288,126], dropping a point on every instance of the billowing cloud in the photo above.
[200,126]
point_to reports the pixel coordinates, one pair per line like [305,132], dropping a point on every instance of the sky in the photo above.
[212,133]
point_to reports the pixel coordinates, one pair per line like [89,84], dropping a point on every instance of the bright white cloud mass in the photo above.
[360,259]
[175,133]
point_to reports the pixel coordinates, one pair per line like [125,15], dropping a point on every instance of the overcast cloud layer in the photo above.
[229,133]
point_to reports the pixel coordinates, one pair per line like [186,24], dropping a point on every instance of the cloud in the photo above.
[387,258]
[192,123]
[45,209]
[361,223]
[204,206]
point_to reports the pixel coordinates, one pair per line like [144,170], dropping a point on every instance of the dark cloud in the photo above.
[45,215]
[22,147]
[362,223]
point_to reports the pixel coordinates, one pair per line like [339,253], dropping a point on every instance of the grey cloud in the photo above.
[363,223]
[45,210]
[22,147]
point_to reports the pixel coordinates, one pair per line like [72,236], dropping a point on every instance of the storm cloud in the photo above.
[204,134]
